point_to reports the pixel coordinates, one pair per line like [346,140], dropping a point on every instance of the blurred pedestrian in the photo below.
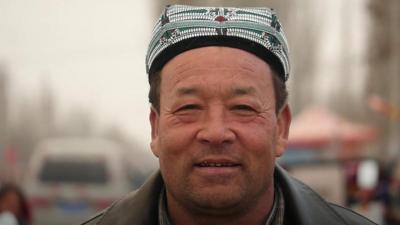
[14,207]
[7,218]
[393,203]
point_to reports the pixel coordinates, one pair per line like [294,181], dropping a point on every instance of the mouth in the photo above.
[217,168]
[205,164]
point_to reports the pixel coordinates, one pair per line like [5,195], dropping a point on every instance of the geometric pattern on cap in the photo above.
[182,22]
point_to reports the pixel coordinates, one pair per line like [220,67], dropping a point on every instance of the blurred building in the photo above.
[3,107]
[384,71]
[4,174]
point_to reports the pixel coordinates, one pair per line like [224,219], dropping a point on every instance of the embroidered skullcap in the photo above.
[181,28]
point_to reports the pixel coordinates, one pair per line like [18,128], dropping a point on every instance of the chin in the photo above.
[218,198]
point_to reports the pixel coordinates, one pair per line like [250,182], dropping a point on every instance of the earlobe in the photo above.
[284,119]
[154,119]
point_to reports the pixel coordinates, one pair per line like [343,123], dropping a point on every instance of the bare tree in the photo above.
[3,106]
[384,67]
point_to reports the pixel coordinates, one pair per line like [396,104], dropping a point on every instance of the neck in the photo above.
[254,214]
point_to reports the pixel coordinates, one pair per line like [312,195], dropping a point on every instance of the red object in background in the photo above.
[318,127]
[10,156]
[383,107]
[40,202]
[103,203]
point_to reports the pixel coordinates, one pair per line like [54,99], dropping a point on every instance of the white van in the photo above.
[69,179]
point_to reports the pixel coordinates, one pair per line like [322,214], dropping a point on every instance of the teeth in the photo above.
[210,164]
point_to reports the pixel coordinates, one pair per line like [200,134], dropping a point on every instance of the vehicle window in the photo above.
[69,171]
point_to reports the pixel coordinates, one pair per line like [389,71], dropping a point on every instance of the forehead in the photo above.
[213,64]
[214,56]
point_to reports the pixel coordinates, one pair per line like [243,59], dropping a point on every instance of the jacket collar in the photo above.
[303,205]
[139,207]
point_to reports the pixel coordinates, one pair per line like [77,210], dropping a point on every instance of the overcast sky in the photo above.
[90,52]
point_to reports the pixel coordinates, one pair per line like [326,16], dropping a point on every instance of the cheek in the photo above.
[258,133]
[175,144]
[259,141]
[174,158]
[173,133]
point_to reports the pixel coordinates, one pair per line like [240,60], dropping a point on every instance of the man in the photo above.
[219,119]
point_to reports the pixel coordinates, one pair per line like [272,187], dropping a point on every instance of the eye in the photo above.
[245,108]
[188,107]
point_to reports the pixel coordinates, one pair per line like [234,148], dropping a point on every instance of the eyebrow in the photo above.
[235,91]
[187,91]
[240,91]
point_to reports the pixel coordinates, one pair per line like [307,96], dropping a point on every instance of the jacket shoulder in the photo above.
[350,216]
[94,220]
[139,207]
[306,207]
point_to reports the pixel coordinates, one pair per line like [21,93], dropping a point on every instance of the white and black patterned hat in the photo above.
[181,28]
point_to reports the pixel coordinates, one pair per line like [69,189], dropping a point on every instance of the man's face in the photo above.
[217,134]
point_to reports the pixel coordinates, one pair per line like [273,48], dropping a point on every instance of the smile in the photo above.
[216,164]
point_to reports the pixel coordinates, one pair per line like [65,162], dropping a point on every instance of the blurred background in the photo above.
[73,88]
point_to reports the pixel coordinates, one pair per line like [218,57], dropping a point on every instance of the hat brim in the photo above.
[228,41]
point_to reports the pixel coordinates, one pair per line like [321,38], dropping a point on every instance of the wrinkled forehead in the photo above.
[216,58]
[210,68]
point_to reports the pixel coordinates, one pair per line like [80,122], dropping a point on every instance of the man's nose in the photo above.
[215,129]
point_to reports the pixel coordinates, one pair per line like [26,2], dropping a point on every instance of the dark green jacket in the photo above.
[302,206]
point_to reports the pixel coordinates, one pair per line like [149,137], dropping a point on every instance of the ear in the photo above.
[283,124]
[154,119]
